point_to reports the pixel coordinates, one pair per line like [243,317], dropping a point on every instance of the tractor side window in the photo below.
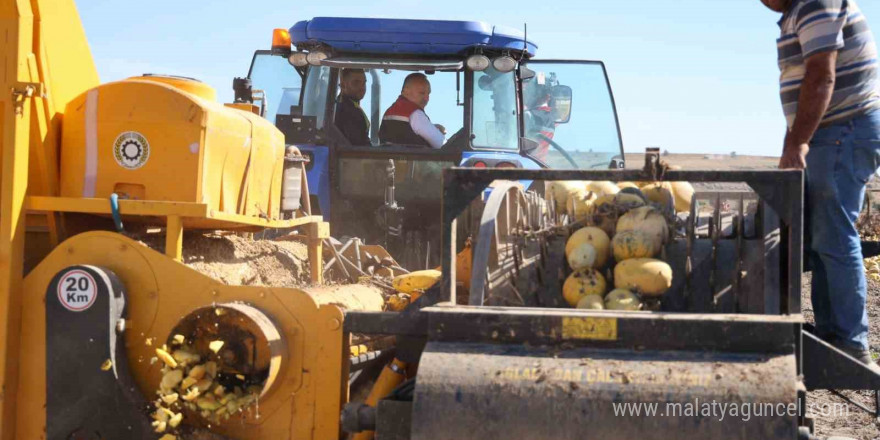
[568,111]
[495,122]
[315,93]
[279,82]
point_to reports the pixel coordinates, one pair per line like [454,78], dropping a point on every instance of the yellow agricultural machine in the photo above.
[103,337]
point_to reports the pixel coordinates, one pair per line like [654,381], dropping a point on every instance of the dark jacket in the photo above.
[396,128]
[352,121]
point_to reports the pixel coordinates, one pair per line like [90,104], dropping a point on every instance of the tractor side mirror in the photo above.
[562,103]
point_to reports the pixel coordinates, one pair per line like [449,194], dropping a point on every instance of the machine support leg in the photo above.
[174,238]
[317,232]
[391,376]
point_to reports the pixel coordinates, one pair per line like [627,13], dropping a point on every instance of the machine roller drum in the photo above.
[251,353]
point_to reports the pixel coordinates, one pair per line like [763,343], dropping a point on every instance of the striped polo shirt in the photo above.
[814,26]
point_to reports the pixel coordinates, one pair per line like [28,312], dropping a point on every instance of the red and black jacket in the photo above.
[396,128]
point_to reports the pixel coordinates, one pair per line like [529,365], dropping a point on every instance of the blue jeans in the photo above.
[842,159]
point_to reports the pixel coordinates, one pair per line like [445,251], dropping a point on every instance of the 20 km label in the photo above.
[77,291]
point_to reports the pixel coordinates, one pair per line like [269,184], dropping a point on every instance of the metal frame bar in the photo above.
[176,214]
[628,330]
[157,209]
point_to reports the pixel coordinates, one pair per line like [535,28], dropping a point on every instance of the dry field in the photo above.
[708,161]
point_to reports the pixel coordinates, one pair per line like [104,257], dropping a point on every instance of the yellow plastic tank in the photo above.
[189,85]
[166,139]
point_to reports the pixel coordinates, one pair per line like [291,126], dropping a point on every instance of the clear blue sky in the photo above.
[689,76]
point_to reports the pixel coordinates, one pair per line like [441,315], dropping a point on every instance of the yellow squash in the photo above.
[603,187]
[622,299]
[583,283]
[683,192]
[560,191]
[635,244]
[591,302]
[579,205]
[595,237]
[416,281]
[646,276]
[647,220]
[660,193]
[582,257]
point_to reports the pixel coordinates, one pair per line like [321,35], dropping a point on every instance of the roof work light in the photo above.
[298,59]
[504,63]
[315,58]
[478,62]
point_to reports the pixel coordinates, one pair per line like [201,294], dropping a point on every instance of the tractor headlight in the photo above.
[315,58]
[504,64]
[298,59]
[478,63]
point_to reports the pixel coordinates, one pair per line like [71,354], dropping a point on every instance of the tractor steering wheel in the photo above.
[559,148]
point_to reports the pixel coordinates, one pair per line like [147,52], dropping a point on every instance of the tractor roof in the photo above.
[399,36]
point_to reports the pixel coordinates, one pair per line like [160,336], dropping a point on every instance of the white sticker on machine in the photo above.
[77,290]
[131,150]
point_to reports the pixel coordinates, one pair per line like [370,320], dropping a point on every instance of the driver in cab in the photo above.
[405,122]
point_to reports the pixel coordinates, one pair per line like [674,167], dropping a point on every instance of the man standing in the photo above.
[405,122]
[350,117]
[831,101]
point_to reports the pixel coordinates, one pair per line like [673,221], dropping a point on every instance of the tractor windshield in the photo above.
[569,114]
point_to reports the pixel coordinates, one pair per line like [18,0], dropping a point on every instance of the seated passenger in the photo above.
[405,122]
[350,117]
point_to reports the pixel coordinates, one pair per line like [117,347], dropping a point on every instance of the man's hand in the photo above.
[794,156]
[441,128]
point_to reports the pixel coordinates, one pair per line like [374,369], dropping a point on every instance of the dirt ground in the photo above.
[853,422]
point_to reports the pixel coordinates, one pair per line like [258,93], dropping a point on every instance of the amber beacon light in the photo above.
[280,39]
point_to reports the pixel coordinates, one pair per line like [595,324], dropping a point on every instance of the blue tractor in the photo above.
[501,109]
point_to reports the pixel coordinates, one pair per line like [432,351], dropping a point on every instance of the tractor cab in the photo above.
[499,106]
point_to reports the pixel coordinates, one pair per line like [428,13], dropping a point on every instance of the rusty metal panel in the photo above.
[479,391]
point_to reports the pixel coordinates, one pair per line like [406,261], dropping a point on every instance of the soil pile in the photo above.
[237,260]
